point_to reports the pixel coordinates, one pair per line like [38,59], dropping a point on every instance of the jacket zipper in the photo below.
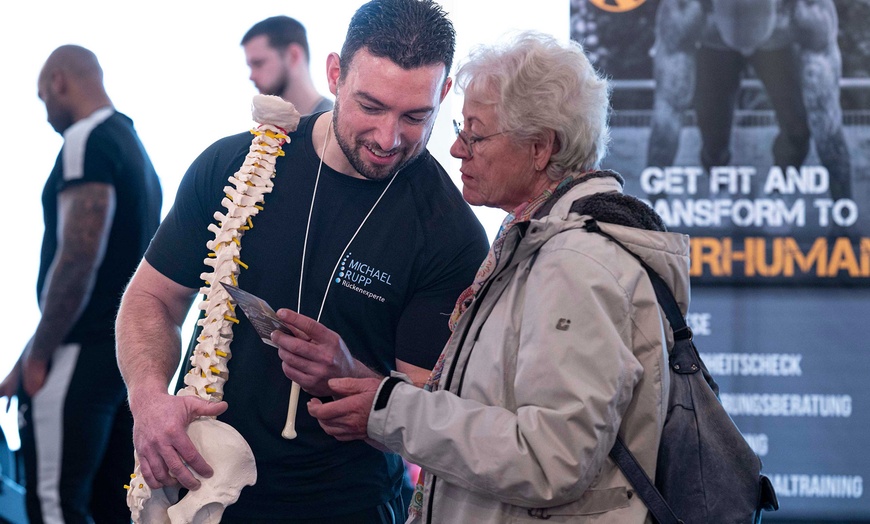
[475,307]
[495,278]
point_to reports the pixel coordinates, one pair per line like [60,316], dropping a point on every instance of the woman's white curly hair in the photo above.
[538,84]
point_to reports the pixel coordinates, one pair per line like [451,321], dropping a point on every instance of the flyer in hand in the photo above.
[259,312]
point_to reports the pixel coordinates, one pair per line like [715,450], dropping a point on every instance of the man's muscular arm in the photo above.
[148,331]
[679,24]
[814,26]
[85,213]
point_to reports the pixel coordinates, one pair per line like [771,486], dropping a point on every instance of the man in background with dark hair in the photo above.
[276,50]
[102,206]
[363,231]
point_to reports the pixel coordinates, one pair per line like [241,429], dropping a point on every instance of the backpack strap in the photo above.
[646,490]
[620,453]
[663,292]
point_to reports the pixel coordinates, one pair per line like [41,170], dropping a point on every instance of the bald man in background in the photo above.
[276,50]
[101,206]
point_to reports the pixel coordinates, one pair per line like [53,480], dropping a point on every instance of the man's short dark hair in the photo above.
[411,33]
[281,31]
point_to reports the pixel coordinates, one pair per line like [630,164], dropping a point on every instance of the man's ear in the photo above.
[333,72]
[448,83]
[294,55]
[58,83]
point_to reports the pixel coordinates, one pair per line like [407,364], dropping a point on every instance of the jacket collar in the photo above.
[582,189]
[527,237]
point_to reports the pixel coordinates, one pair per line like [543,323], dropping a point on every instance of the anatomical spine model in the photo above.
[220,444]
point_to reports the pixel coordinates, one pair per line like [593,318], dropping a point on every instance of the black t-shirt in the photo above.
[104,147]
[388,294]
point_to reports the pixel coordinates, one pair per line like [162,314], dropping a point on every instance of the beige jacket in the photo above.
[563,347]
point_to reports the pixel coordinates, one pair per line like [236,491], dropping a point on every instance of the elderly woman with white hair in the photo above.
[559,344]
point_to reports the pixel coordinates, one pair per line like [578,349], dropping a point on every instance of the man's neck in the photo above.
[332,155]
[89,107]
[304,97]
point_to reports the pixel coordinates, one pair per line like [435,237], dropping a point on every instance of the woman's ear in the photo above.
[544,148]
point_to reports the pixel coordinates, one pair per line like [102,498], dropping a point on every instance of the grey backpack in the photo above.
[705,472]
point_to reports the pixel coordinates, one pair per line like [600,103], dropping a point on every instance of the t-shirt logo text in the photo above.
[358,275]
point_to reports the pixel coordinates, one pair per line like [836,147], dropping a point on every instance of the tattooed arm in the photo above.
[85,219]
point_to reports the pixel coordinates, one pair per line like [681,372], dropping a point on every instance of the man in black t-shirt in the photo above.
[363,231]
[101,205]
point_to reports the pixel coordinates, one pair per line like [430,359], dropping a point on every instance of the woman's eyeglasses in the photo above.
[469,141]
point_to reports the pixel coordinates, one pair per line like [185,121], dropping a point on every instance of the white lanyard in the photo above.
[308,227]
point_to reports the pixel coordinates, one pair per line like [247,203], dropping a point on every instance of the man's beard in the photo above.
[280,86]
[355,158]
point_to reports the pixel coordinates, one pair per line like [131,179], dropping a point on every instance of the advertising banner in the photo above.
[746,124]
